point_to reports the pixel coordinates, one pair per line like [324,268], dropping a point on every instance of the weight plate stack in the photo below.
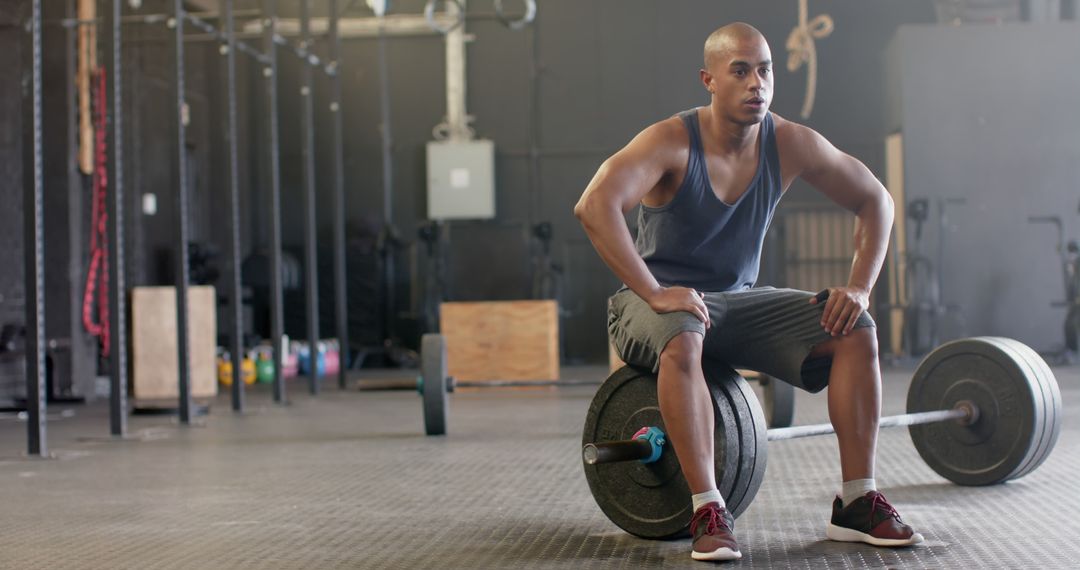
[1019,405]
[725,382]
[653,500]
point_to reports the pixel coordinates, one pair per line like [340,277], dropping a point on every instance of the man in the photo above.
[708,181]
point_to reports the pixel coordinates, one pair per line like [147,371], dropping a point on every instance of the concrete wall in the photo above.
[989,114]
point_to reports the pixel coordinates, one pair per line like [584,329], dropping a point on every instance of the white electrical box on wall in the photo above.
[461,180]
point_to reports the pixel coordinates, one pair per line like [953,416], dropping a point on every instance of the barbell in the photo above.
[980,411]
[434,384]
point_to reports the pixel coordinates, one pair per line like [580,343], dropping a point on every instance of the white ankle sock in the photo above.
[702,499]
[856,488]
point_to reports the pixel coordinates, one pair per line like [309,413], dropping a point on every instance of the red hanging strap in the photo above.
[97,277]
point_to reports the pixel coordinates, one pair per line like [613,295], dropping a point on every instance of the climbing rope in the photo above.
[800,46]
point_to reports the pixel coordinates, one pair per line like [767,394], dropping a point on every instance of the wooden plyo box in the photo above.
[154,362]
[501,340]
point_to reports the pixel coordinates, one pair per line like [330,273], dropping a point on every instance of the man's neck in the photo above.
[730,137]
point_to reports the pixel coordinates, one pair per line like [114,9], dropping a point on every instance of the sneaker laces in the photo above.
[713,523]
[878,501]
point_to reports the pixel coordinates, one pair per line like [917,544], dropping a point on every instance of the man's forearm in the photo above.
[873,224]
[608,233]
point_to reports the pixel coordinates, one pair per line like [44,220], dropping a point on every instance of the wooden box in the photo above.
[154,360]
[501,340]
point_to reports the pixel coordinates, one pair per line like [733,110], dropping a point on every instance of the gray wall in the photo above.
[990,114]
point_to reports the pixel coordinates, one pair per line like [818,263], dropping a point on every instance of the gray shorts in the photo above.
[762,329]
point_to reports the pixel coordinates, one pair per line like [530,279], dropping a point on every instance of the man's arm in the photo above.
[619,185]
[847,181]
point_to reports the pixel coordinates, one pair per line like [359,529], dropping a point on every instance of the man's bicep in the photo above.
[836,174]
[629,174]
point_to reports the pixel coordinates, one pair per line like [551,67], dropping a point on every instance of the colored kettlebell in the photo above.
[225,370]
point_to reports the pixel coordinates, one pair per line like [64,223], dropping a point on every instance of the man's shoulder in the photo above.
[671,129]
[793,137]
[786,130]
[667,137]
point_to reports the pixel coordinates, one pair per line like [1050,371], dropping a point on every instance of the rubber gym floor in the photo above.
[348,480]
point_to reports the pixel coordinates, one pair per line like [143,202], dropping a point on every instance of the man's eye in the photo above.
[740,72]
[765,70]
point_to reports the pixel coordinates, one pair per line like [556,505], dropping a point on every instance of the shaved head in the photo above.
[738,73]
[730,37]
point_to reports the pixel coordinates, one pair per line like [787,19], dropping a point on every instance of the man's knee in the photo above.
[859,343]
[682,352]
[864,340]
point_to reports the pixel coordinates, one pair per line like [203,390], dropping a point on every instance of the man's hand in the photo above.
[842,309]
[672,299]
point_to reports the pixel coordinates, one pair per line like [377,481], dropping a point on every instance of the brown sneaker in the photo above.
[711,528]
[870,519]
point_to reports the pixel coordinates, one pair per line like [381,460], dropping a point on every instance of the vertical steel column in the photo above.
[117,288]
[389,271]
[236,295]
[277,326]
[182,334]
[307,145]
[33,242]
[340,279]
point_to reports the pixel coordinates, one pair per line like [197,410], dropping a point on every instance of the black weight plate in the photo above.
[753,454]
[779,401]
[649,500]
[1048,385]
[1041,399]
[725,385]
[433,376]
[1011,418]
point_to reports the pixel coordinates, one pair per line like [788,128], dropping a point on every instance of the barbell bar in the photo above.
[417,383]
[638,449]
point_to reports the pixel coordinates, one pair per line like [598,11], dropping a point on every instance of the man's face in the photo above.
[741,81]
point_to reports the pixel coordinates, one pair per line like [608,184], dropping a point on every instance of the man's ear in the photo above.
[706,79]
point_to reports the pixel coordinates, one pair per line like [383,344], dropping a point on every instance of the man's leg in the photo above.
[686,406]
[854,399]
[863,514]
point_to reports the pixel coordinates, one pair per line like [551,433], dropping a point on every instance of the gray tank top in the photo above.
[699,241]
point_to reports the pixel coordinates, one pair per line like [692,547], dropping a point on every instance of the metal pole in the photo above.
[235,294]
[341,297]
[457,119]
[277,326]
[389,236]
[236,298]
[307,144]
[34,244]
[117,288]
[181,262]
